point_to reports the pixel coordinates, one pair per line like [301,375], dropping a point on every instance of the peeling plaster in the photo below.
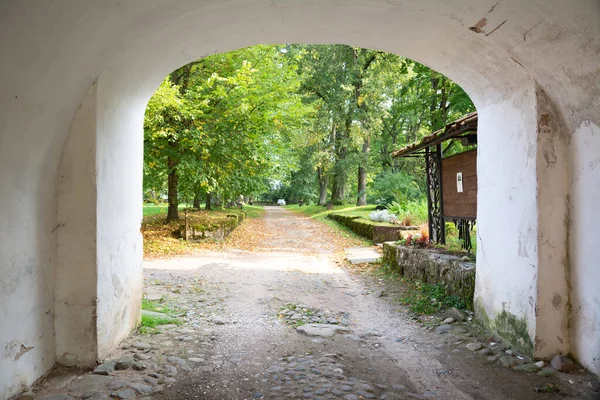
[22,351]
[16,350]
[477,28]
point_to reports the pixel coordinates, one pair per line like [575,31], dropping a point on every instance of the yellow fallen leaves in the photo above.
[293,232]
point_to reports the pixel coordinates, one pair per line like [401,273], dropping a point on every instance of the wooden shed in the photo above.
[452,180]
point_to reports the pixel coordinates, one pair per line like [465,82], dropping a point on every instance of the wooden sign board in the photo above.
[459,185]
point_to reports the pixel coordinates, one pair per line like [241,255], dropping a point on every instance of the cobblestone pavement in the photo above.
[291,322]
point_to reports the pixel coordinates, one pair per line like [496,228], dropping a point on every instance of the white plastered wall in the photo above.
[75,289]
[584,240]
[119,155]
[59,49]
[506,213]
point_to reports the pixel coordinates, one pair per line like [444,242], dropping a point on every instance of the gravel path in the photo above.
[239,339]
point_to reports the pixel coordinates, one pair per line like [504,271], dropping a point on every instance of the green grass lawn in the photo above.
[254,211]
[320,212]
[156,209]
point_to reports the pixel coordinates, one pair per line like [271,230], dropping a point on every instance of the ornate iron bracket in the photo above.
[435,208]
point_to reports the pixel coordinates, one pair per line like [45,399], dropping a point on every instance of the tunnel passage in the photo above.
[71,143]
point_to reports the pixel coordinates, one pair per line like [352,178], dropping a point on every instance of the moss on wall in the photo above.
[368,229]
[514,330]
[507,326]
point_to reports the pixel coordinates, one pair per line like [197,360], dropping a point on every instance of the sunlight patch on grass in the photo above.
[159,209]
[320,212]
[254,211]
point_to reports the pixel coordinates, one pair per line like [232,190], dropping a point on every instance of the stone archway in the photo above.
[75,88]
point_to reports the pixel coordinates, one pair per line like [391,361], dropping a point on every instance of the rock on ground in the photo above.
[322,330]
[455,313]
[444,328]
[106,369]
[474,346]
[563,364]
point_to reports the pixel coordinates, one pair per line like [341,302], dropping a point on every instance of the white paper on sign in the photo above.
[459,182]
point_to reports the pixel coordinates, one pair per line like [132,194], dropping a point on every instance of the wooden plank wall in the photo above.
[460,205]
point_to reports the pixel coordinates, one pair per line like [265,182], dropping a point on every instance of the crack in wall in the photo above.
[496,28]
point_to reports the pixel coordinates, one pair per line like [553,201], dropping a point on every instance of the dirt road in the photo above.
[384,355]
[240,341]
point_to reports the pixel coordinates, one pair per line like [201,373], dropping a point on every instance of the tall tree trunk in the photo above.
[197,200]
[434,114]
[339,173]
[218,200]
[361,110]
[208,205]
[362,173]
[172,179]
[338,190]
[322,186]
[362,186]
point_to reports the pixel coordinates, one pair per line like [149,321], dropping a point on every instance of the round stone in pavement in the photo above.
[141,345]
[444,328]
[141,388]
[98,396]
[124,362]
[169,370]
[474,346]
[124,394]
[322,330]
[176,360]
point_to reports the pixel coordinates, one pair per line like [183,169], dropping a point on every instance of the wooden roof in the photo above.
[465,124]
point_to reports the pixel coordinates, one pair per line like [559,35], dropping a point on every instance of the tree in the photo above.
[301,115]
[225,124]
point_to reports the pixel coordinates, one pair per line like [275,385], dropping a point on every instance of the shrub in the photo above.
[409,212]
[451,229]
[418,209]
[389,186]
[396,208]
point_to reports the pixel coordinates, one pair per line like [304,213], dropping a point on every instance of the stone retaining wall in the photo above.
[433,267]
[377,233]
